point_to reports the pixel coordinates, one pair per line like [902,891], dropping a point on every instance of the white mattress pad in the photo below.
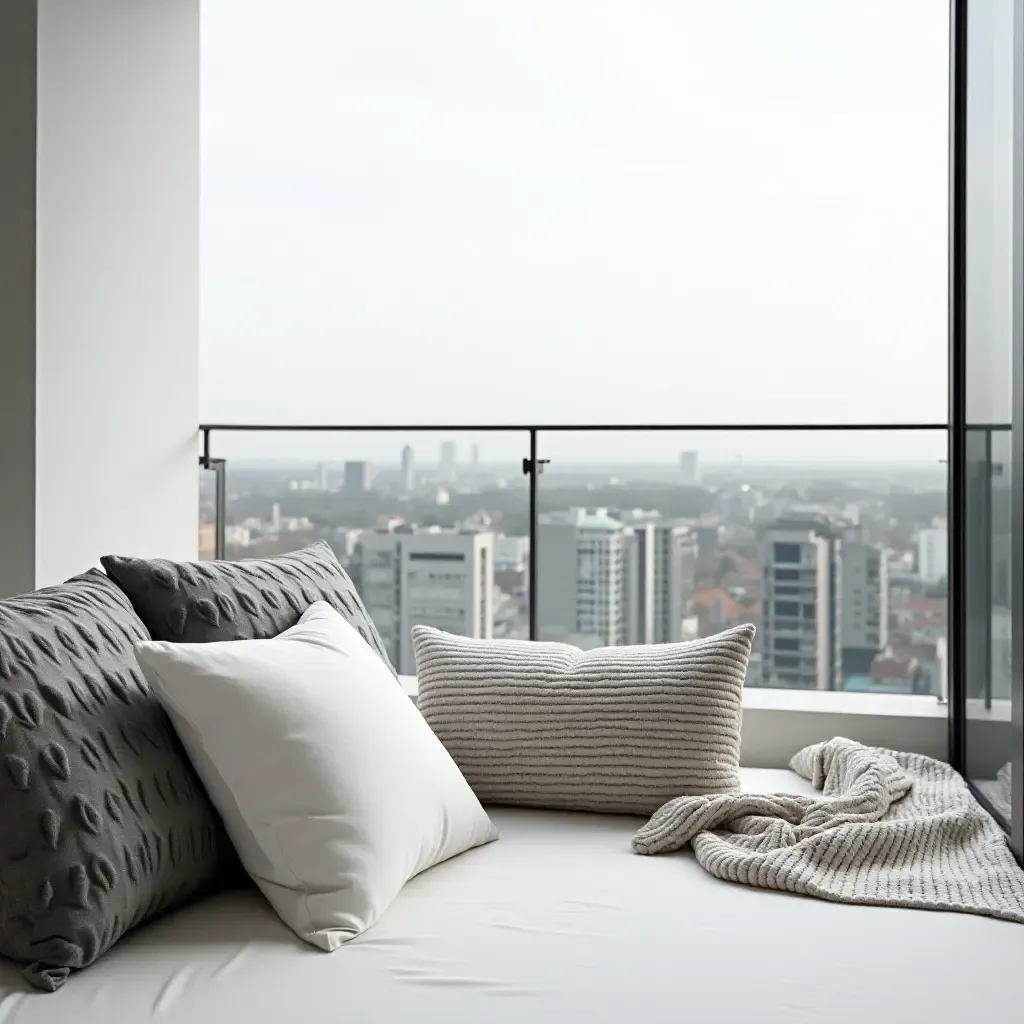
[557,921]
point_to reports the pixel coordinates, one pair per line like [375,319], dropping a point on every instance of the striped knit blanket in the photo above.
[888,829]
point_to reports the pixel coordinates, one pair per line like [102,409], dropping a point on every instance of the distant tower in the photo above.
[932,563]
[322,479]
[358,476]
[801,632]
[689,465]
[448,456]
[275,517]
[865,602]
[408,469]
[476,455]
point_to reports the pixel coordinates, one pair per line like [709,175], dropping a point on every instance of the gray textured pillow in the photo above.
[252,599]
[103,821]
[616,729]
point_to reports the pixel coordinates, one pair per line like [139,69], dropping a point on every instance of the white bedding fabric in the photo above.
[558,921]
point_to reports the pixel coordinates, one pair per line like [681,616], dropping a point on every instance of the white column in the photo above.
[99,253]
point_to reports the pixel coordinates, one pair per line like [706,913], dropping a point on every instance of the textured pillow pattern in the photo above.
[103,822]
[332,786]
[616,729]
[253,599]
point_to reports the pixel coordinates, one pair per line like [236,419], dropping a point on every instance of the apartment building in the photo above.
[584,570]
[801,624]
[662,563]
[412,576]
[623,577]
[358,476]
[865,602]
[932,553]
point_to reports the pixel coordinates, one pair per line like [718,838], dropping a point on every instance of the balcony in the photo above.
[540,315]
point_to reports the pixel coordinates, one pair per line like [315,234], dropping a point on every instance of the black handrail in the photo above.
[476,428]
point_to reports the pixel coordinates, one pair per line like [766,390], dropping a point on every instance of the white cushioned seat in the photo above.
[557,921]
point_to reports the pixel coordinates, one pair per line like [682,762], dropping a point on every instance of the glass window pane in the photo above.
[990,738]
[433,528]
[656,537]
[207,541]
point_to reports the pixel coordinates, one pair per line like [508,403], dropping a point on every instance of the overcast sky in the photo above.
[515,211]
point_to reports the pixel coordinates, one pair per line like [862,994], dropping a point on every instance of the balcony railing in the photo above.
[605,534]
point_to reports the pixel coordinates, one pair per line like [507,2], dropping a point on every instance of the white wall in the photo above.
[117,285]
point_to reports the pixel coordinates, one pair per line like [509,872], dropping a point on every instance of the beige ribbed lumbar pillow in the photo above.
[616,729]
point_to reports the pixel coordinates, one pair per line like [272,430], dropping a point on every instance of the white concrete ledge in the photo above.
[777,723]
[999,710]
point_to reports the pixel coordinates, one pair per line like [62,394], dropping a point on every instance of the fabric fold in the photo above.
[889,829]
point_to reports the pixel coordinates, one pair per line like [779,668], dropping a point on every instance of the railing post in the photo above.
[221,509]
[532,467]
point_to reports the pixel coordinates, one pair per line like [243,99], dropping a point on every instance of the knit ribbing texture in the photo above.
[890,829]
[613,729]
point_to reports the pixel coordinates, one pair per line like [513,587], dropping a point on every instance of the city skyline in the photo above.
[839,572]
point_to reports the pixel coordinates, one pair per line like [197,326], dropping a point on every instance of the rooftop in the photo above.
[584,519]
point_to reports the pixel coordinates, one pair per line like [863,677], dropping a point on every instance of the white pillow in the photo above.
[332,787]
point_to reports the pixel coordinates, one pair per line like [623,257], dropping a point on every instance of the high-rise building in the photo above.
[511,554]
[358,476]
[662,566]
[323,477]
[476,455]
[448,460]
[933,554]
[623,578]
[708,532]
[639,592]
[865,606]
[675,576]
[584,565]
[426,577]
[801,621]
[275,518]
[689,466]
[408,468]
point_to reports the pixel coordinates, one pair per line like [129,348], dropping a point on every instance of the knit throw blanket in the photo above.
[889,829]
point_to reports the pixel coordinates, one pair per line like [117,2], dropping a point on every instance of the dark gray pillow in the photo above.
[103,822]
[252,599]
